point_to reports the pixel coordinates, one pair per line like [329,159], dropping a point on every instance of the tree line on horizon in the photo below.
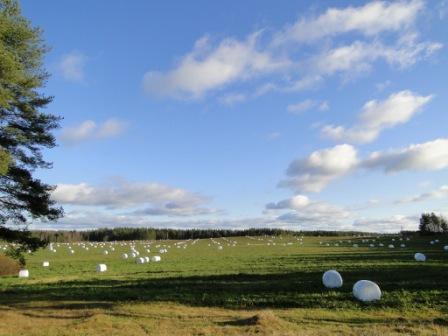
[128,234]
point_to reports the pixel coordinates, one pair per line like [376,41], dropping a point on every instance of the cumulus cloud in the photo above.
[148,198]
[310,215]
[72,66]
[211,67]
[89,130]
[439,193]
[376,116]
[431,155]
[315,172]
[369,20]
[296,202]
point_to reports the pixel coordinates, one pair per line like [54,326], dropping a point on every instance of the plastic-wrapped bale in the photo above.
[391,246]
[402,245]
[46,264]
[366,291]
[24,273]
[220,247]
[355,245]
[147,259]
[124,256]
[445,247]
[101,268]
[140,260]
[332,279]
[419,257]
[106,252]
[156,259]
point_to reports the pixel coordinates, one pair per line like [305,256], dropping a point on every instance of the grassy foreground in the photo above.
[249,287]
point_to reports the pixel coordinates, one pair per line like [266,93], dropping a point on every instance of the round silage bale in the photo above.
[332,279]
[419,257]
[101,268]
[366,291]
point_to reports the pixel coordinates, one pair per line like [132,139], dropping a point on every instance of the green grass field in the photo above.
[254,287]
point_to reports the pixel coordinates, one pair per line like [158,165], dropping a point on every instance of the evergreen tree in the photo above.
[24,129]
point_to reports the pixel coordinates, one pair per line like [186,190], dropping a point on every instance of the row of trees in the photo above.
[118,234]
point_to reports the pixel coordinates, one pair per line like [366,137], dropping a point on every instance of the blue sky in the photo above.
[247,114]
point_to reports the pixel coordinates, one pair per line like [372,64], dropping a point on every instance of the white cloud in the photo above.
[316,171]
[369,20]
[324,106]
[391,224]
[72,66]
[148,198]
[89,130]
[440,193]
[274,135]
[288,67]
[296,202]
[431,155]
[383,85]
[313,173]
[301,106]
[207,68]
[310,215]
[358,57]
[306,105]
[232,98]
[376,116]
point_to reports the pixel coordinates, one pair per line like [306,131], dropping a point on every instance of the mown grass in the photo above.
[256,288]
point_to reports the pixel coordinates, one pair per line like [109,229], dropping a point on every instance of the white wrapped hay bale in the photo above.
[332,279]
[106,252]
[366,291]
[24,273]
[140,260]
[419,257]
[124,256]
[45,264]
[445,247]
[101,268]
[147,259]
[391,246]
[156,259]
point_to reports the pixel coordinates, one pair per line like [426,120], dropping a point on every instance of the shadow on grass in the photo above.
[403,287]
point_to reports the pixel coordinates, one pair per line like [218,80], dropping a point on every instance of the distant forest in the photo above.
[118,234]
